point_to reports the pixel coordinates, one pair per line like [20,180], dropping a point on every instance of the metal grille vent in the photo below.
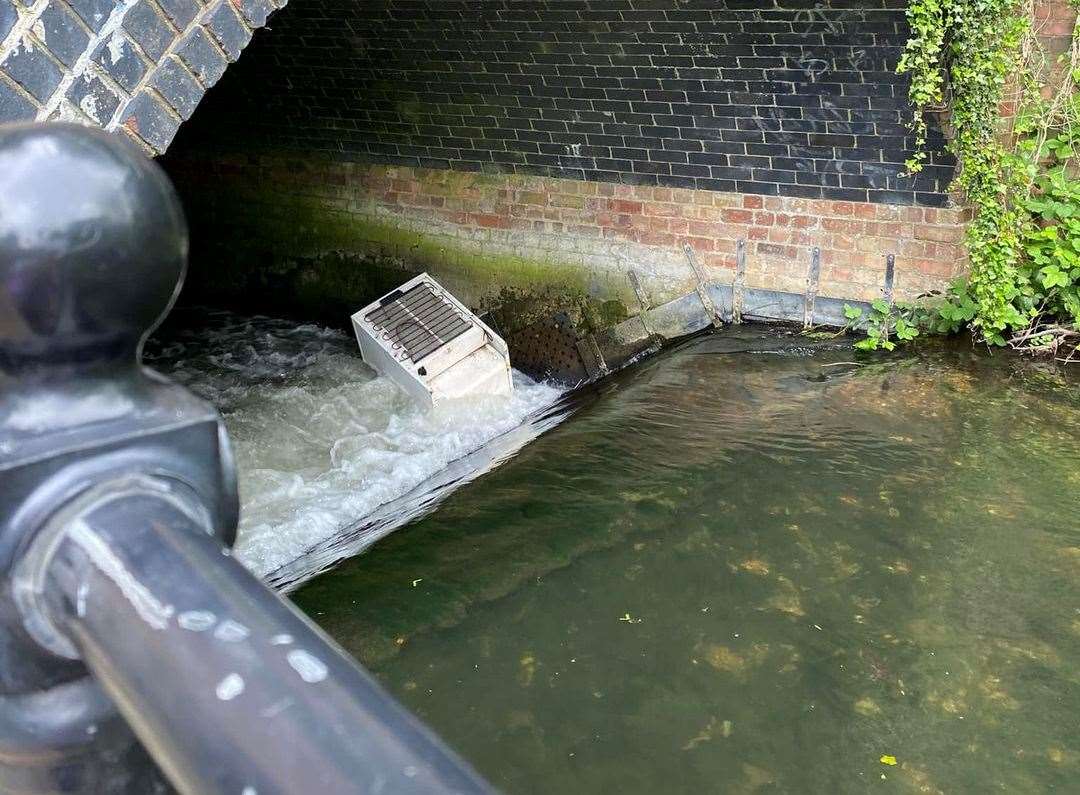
[417,322]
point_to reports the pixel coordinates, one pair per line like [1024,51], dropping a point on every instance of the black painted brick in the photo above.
[145,116]
[177,86]
[64,36]
[255,12]
[748,95]
[14,106]
[94,13]
[119,60]
[103,101]
[204,59]
[226,27]
[181,12]
[32,69]
[148,29]
[8,18]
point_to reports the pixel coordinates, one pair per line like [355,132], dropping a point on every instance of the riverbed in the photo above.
[757,562]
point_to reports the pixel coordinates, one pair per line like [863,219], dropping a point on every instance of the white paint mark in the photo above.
[59,411]
[310,667]
[116,47]
[281,640]
[80,599]
[109,29]
[27,17]
[249,791]
[92,729]
[146,605]
[230,687]
[410,771]
[231,631]
[276,708]
[196,620]
[89,105]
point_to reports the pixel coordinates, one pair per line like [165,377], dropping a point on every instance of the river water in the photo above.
[320,441]
[754,563]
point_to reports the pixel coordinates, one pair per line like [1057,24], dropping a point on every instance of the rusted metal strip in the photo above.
[702,291]
[812,279]
[739,284]
[642,298]
[639,291]
[890,276]
[592,357]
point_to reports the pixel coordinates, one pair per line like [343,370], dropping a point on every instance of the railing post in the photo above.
[125,625]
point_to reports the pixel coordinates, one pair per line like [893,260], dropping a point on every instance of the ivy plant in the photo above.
[970,59]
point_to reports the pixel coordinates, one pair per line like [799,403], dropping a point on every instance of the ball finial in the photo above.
[93,248]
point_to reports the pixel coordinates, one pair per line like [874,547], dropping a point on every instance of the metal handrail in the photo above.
[128,632]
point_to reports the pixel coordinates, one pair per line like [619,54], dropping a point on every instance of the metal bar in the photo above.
[890,276]
[227,685]
[642,298]
[420,322]
[701,288]
[739,285]
[592,357]
[812,278]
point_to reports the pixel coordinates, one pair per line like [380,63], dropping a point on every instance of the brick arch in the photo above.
[140,66]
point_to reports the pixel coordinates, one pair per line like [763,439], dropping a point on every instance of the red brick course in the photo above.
[603,229]
[854,238]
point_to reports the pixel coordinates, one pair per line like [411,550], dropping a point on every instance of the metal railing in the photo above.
[135,653]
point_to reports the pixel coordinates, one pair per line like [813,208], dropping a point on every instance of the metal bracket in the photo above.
[592,357]
[739,284]
[701,289]
[639,291]
[890,275]
[642,298]
[812,287]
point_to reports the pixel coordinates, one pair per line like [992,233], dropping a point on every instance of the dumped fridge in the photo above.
[431,345]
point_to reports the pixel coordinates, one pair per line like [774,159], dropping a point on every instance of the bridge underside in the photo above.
[589,160]
[140,66]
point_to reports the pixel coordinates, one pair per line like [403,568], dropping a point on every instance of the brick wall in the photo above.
[497,236]
[770,97]
[140,66]
[513,148]
[1053,21]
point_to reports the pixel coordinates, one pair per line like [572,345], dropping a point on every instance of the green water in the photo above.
[749,566]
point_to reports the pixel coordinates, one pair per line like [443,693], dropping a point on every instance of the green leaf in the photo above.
[1051,276]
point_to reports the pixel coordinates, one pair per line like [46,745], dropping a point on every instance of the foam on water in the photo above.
[320,440]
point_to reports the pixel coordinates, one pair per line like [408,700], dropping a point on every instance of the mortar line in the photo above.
[110,28]
[89,31]
[144,81]
[7,79]
[26,20]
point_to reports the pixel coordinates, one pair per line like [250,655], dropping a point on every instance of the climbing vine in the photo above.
[970,60]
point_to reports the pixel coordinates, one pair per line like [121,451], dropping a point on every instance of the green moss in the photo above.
[321,258]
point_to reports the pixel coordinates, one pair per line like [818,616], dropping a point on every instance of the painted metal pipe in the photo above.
[228,686]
